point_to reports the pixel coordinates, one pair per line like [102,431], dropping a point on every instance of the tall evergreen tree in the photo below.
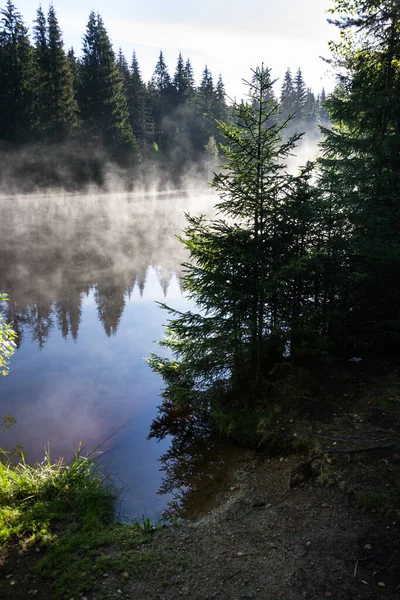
[227,347]
[204,104]
[300,95]
[123,69]
[189,78]
[180,82]
[102,99]
[220,108]
[62,106]
[322,114]
[139,110]
[16,77]
[287,97]
[310,108]
[161,97]
[75,68]
[363,147]
[40,37]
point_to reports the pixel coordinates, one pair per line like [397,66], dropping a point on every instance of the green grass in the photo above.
[34,498]
[68,510]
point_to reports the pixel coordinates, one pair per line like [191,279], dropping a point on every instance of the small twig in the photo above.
[385,567]
[233,575]
[355,569]
[107,439]
[104,453]
[335,439]
[284,550]
[391,558]
[215,594]
[366,558]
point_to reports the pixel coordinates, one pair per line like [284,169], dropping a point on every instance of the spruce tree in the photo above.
[189,75]
[56,108]
[227,347]
[161,97]
[62,106]
[310,108]
[75,69]
[287,97]
[141,119]
[123,69]
[322,114]
[363,146]
[300,95]
[204,104]
[180,83]
[41,51]
[17,80]
[220,108]
[102,97]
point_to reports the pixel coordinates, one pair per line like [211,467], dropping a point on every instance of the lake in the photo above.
[83,274]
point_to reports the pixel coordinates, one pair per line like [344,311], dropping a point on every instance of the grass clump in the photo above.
[34,498]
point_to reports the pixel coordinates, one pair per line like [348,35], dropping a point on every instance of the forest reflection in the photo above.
[62,248]
[196,466]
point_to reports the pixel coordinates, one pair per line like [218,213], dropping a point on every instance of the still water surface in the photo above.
[83,274]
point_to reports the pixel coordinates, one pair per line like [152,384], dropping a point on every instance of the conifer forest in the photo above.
[88,106]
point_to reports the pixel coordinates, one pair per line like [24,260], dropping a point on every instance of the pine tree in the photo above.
[62,107]
[322,114]
[362,146]
[189,75]
[41,52]
[123,69]
[220,108]
[310,108]
[161,96]
[40,37]
[75,69]
[180,83]
[227,347]
[102,99]
[204,104]
[300,94]
[16,77]
[139,110]
[56,107]
[287,97]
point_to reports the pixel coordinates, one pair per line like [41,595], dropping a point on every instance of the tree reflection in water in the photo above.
[196,465]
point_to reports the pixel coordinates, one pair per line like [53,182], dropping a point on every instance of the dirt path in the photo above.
[265,543]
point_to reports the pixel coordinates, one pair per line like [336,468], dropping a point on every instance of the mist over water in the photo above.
[83,274]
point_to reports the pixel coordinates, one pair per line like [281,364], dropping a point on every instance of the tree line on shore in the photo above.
[52,97]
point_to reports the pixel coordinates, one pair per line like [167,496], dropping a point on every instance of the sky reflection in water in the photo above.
[83,277]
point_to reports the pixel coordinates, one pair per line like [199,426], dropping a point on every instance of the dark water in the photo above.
[83,275]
